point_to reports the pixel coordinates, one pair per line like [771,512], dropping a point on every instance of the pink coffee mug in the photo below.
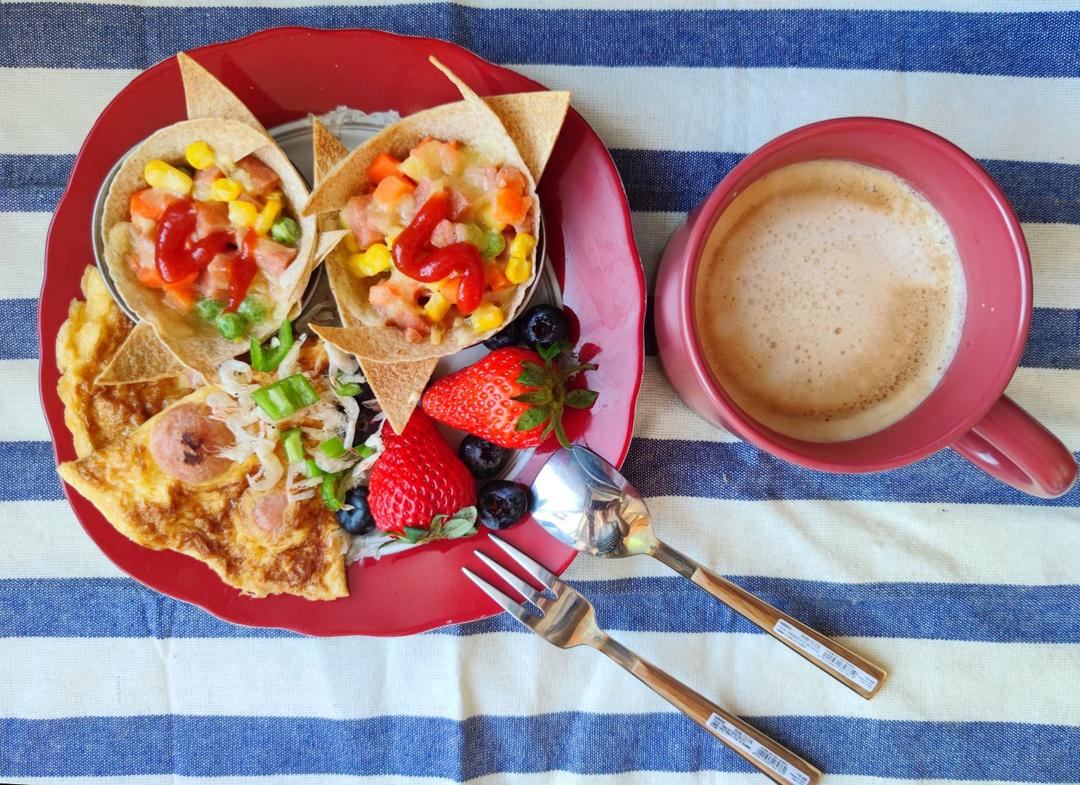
[967,411]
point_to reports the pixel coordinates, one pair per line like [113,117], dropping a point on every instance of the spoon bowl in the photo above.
[583,501]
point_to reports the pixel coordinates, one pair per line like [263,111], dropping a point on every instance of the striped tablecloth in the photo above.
[965,590]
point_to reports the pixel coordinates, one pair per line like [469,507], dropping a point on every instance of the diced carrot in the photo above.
[150,203]
[149,276]
[510,206]
[448,288]
[392,188]
[181,297]
[184,283]
[382,167]
[495,276]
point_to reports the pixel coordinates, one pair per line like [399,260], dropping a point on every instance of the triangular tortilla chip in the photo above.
[207,97]
[142,357]
[397,386]
[533,121]
[327,151]
[473,122]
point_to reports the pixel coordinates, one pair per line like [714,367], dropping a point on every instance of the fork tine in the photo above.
[532,566]
[515,608]
[519,584]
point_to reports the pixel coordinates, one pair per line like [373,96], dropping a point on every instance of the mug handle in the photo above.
[1012,446]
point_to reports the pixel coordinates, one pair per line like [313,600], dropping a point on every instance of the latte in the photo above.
[830,300]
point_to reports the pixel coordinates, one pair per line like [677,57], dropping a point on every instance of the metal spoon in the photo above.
[583,501]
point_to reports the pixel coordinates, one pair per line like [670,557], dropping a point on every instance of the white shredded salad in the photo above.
[334,415]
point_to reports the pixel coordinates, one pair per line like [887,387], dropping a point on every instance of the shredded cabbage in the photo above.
[288,364]
[341,361]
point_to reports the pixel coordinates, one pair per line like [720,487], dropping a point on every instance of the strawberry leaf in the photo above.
[466,514]
[560,434]
[443,527]
[552,351]
[459,527]
[581,399]
[570,370]
[548,430]
[536,396]
[532,418]
[532,375]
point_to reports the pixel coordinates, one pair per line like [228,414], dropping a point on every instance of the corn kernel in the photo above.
[243,214]
[275,196]
[268,215]
[486,317]
[200,155]
[391,236]
[518,269]
[436,307]
[225,190]
[351,242]
[159,174]
[522,245]
[373,261]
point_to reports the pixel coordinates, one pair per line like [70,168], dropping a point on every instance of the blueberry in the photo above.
[501,503]
[366,424]
[482,458]
[507,336]
[358,520]
[544,324]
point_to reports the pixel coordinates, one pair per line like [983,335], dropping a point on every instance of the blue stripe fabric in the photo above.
[68,608]
[655,181]
[668,467]
[965,589]
[385,746]
[1019,44]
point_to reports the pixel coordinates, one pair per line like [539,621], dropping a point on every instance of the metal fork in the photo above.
[569,620]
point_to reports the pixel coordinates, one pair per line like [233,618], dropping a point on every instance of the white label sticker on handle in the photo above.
[758,751]
[805,643]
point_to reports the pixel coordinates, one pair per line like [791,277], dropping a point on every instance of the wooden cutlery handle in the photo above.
[844,665]
[771,758]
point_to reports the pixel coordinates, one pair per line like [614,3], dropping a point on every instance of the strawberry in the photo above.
[513,397]
[417,478]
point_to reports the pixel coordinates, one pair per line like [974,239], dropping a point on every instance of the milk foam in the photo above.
[830,300]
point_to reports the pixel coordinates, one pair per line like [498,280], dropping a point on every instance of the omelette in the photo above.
[165,486]
[96,414]
[150,461]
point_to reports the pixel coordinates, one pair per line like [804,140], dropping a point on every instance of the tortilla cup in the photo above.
[199,346]
[477,125]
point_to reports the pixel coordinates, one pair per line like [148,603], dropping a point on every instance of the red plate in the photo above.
[283,74]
